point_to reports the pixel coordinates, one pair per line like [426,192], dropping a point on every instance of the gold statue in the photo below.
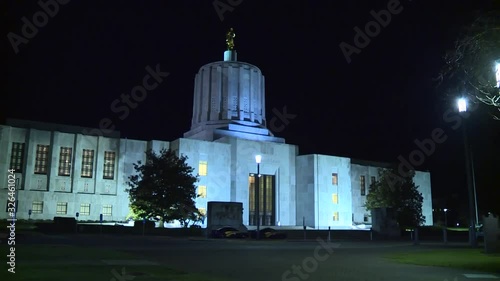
[230,39]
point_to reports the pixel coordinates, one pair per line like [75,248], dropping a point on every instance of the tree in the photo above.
[163,187]
[472,66]
[399,193]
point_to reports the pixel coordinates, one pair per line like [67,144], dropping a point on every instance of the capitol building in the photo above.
[61,170]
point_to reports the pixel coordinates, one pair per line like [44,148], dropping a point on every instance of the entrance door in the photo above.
[267,195]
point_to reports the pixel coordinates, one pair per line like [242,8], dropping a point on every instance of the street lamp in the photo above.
[462,108]
[258,159]
[497,73]
[445,228]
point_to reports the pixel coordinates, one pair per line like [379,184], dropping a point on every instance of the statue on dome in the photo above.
[230,39]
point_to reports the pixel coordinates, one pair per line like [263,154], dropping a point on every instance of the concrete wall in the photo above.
[74,190]
[315,189]
[278,160]
[304,185]
[305,190]
[358,200]
[423,182]
[218,158]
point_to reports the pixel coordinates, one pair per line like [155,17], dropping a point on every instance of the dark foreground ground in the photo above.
[269,260]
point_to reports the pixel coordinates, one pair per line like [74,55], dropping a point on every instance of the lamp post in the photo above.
[497,73]
[445,218]
[462,108]
[258,159]
[445,228]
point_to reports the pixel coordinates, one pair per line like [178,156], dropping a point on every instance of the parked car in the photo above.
[269,233]
[228,232]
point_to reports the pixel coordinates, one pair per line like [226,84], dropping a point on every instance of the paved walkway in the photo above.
[243,260]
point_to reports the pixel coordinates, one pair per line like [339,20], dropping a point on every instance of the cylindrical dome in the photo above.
[229,91]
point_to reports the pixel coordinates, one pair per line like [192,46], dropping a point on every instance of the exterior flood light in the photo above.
[462,105]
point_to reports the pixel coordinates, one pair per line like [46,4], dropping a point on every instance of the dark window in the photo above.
[362,184]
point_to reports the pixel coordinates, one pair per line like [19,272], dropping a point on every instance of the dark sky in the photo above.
[90,52]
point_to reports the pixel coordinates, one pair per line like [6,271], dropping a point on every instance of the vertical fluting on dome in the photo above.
[229,91]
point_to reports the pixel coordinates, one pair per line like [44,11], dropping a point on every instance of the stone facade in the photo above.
[63,169]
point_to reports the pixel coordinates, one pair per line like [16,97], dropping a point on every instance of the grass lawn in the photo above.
[473,259]
[62,263]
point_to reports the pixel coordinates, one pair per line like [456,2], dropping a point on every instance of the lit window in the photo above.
[202,191]
[84,209]
[87,163]
[37,207]
[16,156]
[202,211]
[109,165]
[202,168]
[336,216]
[335,198]
[65,161]
[107,210]
[62,208]
[335,179]
[362,185]
[42,158]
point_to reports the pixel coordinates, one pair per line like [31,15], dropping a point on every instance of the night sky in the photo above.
[373,108]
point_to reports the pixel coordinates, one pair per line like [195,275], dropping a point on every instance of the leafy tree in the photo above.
[399,193]
[470,67]
[163,187]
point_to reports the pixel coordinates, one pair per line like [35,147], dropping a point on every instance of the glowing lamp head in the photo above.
[445,210]
[497,73]
[258,158]
[462,105]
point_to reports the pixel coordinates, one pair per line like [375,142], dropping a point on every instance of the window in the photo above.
[87,163]
[109,165]
[202,168]
[17,156]
[42,158]
[362,185]
[65,161]
[37,207]
[335,179]
[202,211]
[107,210]
[335,198]
[373,180]
[62,208]
[202,191]
[365,218]
[335,216]
[84,209]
